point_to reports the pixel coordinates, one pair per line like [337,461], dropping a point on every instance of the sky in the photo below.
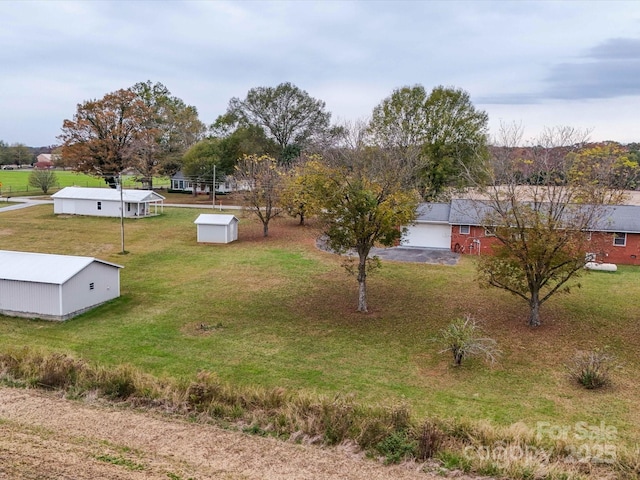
[533,63]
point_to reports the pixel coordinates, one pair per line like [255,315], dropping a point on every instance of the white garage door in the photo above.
[428,235]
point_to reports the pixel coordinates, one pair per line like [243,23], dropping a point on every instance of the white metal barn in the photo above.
[54,287]
[431,228]
[106,202]
[216,228]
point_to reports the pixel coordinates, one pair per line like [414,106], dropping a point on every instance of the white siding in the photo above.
[77,294]
[108,208]
[217,233]
[29,298]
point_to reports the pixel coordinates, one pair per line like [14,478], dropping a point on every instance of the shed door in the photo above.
[428,235]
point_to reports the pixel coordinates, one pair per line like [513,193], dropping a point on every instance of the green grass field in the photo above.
[279,312]
[16,182]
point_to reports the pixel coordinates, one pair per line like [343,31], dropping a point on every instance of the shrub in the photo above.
[397,446]
[591,369]
[462,338]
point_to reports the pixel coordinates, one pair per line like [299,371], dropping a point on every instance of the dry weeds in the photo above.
[44,436]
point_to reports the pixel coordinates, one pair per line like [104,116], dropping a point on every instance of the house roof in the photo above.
[433,213]
[43,267]
[214,219]
[619,218]
[613,218]
[108,194]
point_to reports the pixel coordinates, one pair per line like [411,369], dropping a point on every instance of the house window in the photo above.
[619,239]
[99,205]
[465,229]
[128,207]
[91,286]
[489,232]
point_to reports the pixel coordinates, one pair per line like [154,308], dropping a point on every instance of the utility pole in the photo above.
[213,188]
[122,216]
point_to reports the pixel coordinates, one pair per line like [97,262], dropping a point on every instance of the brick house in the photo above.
[458,226]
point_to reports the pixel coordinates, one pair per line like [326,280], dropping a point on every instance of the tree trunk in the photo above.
[265,229]
[301,218]
[534,310]
[362,284]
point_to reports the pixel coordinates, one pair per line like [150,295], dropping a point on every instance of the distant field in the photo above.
[16,182]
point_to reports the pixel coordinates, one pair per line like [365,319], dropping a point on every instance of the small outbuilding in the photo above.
[54,287]
[106,202]
[216,228]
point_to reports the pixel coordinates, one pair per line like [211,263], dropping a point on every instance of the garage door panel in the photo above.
[428,236]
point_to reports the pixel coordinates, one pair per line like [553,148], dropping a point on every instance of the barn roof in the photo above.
[108,194]
[214,219]
[43,267]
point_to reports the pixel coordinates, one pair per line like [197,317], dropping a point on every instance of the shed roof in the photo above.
[43,267]
[108,194]
[214,219]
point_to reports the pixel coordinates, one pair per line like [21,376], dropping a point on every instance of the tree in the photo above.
[542,229]
[249,140]
[142,127]
[455,140]
[622,165]
[399,123]
[439,136]
[19,154]
[259,178]
[200,162]
[362,203]
[103,137]
[298,197]
[4,153]
[288,115]
[167,132]
[43,179]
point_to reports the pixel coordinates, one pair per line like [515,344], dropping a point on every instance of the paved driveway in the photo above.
[439,256]
[417,255]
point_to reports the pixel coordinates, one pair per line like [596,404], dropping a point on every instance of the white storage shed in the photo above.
[106,202]
[54,287]
[216,228]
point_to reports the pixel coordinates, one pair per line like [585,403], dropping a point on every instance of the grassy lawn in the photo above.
[279,312]
[16,182]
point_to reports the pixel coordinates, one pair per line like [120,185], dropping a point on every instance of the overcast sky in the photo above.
[539,63]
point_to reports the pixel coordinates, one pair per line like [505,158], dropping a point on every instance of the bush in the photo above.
[591,369]
[397,446]
[462,338]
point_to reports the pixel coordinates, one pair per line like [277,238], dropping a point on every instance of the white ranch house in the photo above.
[216,228]
[54,287]
[106,202]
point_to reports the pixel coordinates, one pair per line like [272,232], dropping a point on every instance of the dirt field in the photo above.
[43,436]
